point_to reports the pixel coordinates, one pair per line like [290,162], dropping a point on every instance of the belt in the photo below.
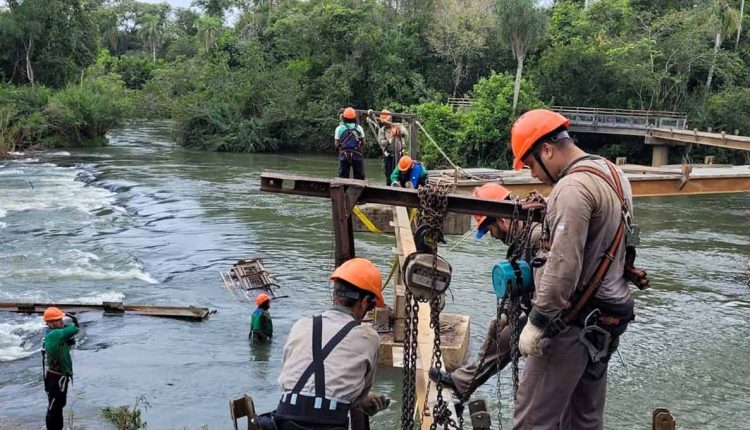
[55,372]
[311,409]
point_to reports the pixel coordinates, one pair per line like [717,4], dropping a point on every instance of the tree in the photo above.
[208,29]
[522,25]
[150,33]
[214,8]
[739,24]
[47,41]
[458,32]
[726,22]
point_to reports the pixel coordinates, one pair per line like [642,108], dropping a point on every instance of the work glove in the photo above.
[375,403]
[395,185]
[72,318]
[528,344]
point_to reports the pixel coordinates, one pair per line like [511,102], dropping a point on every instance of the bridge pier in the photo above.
[659,155]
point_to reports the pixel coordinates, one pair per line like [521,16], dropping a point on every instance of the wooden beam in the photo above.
[318,187]
[425,336]
[178,312]
[342,224]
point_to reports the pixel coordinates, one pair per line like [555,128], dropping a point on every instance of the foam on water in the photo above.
[49,187]
[13,337]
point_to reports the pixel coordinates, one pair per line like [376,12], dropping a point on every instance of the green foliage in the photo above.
[126,418]
[481,135]
[79,115]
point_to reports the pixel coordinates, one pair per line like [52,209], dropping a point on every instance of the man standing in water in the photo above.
[261,325]
[56,358]
[582,302]
[329,360]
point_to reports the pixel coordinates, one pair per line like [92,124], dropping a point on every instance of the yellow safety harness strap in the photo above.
[366,221]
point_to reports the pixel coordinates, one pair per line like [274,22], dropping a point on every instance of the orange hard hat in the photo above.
[349,113]
[262,298]
[385,115]
[405,163]
[53,314]
[489,191]
[529,128]
[363,274]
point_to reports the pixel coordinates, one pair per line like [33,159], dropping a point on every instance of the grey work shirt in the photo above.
[583,214]
[394,145]
[349,369]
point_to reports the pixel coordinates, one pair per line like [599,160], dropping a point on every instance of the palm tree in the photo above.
[727,21]
[208,29]
[739,24]
[110,32]
[150,33]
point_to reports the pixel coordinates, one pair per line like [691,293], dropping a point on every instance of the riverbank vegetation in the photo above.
[271,75]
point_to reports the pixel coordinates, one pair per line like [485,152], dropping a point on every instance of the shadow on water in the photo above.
[146,222]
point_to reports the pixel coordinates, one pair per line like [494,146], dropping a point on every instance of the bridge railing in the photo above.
[622,118]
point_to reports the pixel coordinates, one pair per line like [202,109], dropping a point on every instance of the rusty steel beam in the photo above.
[179,312]
[721,140]
[318,187]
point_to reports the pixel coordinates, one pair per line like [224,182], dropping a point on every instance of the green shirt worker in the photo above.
[59,365]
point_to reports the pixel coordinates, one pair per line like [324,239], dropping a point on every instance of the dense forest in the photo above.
[271,75]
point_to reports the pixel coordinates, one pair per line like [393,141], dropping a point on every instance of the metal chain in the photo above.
[501,304]
[409,361]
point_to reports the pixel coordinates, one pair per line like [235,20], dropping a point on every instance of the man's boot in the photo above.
[445,379]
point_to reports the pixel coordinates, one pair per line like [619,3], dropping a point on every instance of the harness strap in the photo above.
[592,286]
[320,354]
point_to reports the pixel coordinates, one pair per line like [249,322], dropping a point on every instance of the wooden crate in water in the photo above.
[247,275]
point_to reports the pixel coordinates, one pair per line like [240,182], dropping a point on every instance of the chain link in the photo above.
[409,361]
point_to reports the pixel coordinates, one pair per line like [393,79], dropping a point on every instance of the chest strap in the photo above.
[583,295]
[319,354]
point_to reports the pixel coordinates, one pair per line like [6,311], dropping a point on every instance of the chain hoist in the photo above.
[427,276]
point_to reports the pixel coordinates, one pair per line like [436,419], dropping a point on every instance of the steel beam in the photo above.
[721,140]
[318,187]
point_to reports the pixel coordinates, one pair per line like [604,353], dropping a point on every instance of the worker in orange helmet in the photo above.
[349,139]
[58,363]
[494,354]
[261,325]
[329,360]
[392,138]
[409,173]
[582,303]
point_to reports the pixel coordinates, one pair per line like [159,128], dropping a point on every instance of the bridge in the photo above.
[659,128]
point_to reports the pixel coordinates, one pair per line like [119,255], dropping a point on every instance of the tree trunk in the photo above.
[458,72]
[739,24]
[717,44]
[29,68]
[153,51]
[517,87]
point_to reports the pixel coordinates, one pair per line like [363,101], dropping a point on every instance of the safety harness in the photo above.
[349,141]
[318,409]
[583,296]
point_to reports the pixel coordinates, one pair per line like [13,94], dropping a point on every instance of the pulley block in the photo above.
[418,275]
[512,278]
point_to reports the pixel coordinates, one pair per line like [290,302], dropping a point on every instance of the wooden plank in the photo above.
[425,336]
[342,225]
[178,312]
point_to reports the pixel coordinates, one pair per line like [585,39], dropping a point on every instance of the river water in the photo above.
[146,222]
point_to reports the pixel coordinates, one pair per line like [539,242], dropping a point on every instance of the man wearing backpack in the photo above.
[349,138]
[59,365]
